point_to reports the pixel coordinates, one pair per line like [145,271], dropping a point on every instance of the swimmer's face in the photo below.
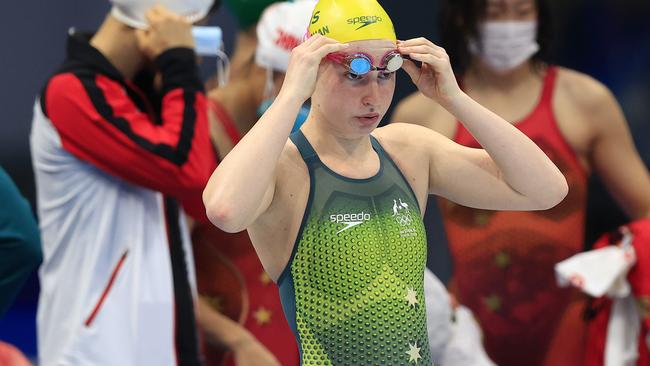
[510,10]
[355,104]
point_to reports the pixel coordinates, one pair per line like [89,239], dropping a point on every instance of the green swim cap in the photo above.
[248,12]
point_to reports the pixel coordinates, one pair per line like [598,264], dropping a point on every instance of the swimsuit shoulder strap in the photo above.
[307,152]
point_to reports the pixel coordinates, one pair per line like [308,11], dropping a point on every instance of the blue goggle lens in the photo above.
[360,66]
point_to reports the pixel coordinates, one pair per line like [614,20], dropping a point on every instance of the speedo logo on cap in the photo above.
[364,20]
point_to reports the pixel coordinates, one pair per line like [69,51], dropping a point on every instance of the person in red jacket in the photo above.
[120,144]
[503,261]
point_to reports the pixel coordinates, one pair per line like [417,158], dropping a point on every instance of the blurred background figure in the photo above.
[503,262]
[240,301]
[20,245]
[11,356]
[20,255]
[455,338]
[120,142]
[615,274]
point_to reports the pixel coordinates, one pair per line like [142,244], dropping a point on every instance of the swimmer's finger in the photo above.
[153,16]
[320,41]
[424,48]
[326,49]
[313,48]
[412,70]
[310,40]
[160,12]
[430,59]
[142,36]
[416,42]
[312,43]
[420,49]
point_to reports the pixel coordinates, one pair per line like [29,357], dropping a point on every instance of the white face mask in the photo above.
[131,12]
[505,45]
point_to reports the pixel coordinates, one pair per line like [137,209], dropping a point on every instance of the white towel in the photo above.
[603,272]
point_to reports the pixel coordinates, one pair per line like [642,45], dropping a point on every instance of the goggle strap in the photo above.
[269,85]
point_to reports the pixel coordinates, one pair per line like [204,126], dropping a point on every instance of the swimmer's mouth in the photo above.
[369,118]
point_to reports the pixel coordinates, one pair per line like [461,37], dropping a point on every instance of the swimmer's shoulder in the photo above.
[413,149]
[582,90]
[585,102]
[407,138]
[420,110]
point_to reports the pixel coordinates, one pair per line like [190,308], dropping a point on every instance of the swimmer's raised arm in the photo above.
[511,173]
[242,186]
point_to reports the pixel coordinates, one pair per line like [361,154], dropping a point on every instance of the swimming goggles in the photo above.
[361,63]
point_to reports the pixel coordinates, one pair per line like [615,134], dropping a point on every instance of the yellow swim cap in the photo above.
[351,20]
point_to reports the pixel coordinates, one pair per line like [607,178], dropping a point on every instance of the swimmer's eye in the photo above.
[385,75]
[353,76]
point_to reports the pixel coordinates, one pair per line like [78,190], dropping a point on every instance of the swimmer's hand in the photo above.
[166,31]
[300,80]
[435,78]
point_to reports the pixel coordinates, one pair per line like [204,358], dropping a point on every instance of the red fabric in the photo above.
[504,261]
[600,310]
[226,121]
[639,278]
[107,289]
[11,356]
[230,275]
[88,135]
[597,332]
[597,336]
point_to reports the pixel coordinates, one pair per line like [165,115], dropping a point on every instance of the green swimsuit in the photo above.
[353,289]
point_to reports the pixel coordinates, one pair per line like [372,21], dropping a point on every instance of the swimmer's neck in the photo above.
[480,76]
[327,141]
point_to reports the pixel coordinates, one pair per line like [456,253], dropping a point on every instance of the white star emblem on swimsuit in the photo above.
[411,297]
[414,353]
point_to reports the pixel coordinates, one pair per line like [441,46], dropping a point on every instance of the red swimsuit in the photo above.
[231,277]
[504,261]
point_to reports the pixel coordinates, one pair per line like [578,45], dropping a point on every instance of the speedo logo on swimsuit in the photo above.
[350,220]
[364,20]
